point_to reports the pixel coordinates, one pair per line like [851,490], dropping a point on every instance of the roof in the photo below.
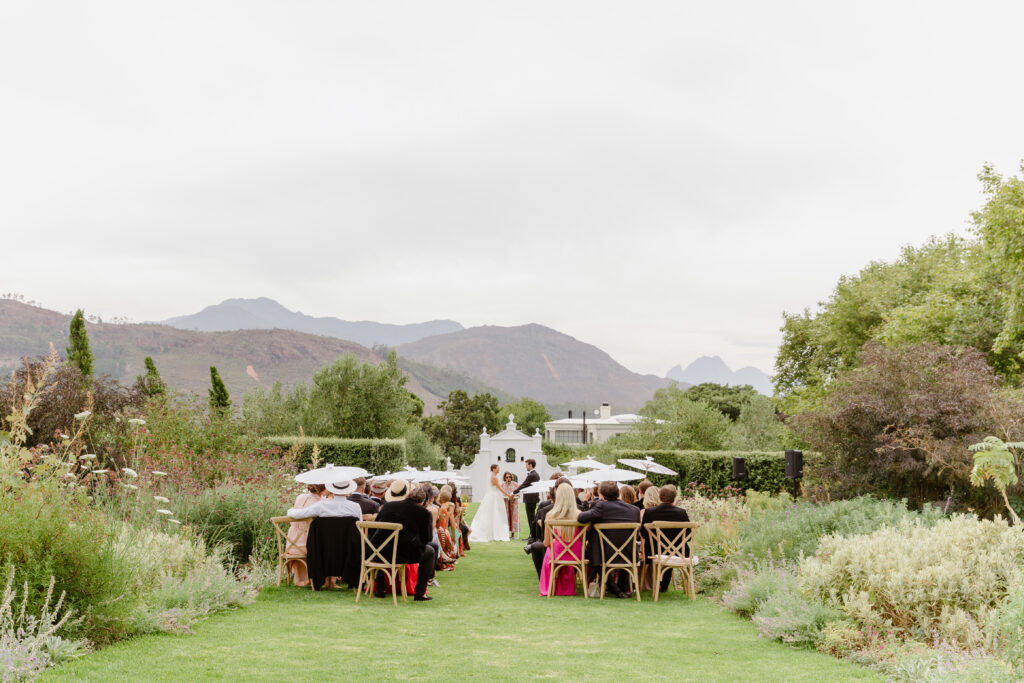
[623,419]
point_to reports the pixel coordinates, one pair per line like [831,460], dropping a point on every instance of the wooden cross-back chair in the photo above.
[668,553]
[565,557]
[287,550]
[375,558]
[619,555]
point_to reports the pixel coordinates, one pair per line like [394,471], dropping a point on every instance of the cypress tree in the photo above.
[152,383]
[78,349]
[219,399]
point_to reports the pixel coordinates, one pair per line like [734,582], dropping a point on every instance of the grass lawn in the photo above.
[486,622]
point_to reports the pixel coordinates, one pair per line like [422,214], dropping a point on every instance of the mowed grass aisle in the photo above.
[486,622]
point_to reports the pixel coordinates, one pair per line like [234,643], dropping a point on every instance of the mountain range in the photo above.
[267,314]
[509,362]
[714,369]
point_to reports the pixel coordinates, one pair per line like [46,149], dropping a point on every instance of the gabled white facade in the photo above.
[510,449]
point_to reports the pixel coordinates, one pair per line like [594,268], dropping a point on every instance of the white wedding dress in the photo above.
[491,520]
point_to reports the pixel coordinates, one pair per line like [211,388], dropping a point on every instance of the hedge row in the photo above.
[375,455]
[766,471]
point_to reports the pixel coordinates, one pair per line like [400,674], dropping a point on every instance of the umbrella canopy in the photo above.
[545,485]
[597,476]
[328,474]
[588,462]
[445,477]
[647,465]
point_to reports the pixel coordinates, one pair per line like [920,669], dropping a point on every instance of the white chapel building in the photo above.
[510,449]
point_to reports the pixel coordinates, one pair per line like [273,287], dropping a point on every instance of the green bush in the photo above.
[926,582]
[785,531]
[236,517]
[766,471]
[375,455]
[51,531]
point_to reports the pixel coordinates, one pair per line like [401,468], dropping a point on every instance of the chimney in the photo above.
[606,411]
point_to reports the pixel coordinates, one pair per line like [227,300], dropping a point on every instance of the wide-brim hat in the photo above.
[399,490]
[341,488]
[378,488]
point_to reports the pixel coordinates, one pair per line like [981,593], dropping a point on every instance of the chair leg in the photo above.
[280,567]
[359,586]
[405,592]
[582,571]
[634,573]
[393,575]
[655,581]
[690,587]
[604,581]
[551,579]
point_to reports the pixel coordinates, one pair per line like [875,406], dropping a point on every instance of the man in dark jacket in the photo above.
[609,510]
[530,500]
[666,511]
[414,538]
[368,505]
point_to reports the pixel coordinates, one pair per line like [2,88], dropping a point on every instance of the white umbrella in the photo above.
[545,485]
[328,474]
[445,477]
[597,476]
[647,465]
[588,462]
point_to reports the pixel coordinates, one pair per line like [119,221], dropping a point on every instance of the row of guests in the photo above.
[433,534]
[565,503]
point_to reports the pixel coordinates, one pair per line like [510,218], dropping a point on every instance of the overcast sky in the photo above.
[660,179]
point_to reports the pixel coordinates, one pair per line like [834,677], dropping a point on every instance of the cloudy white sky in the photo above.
[661,179]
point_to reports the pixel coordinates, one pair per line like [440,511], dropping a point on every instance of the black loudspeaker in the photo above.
[739,468]
[794,464]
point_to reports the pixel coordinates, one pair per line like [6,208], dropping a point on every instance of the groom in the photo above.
[529,499]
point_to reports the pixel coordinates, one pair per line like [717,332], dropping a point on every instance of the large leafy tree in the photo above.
[941,292]
[1000,224]
[676,422]
[458,426]
[529,414]
[79,353]
[350,399]
[728,400]
[900,423]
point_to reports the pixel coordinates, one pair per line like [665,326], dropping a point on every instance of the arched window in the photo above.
[510,455]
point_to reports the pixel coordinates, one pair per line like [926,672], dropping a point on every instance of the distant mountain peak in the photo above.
[264,313]
[714,369]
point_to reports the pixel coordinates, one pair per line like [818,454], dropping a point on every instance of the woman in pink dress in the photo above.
[508,485]
[297,531]
[563,509]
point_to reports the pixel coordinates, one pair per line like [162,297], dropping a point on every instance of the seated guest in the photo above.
[536,549]
[459,517]
[609,510]
[642,489]
[298,531]
[665,511]
[627,495]
[368,505]
[414,538]
[377,490]
[650,499]
[334,503]
[564,508]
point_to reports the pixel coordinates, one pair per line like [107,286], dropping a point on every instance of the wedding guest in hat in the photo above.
[377,490]
[368,505]
[414,538]
[298,531]
[333,503]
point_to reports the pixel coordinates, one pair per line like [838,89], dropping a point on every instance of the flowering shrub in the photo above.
[30,643]
[237,517]
[921,581]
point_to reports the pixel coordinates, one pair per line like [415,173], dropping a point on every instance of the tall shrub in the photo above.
[79,353]
[220,401]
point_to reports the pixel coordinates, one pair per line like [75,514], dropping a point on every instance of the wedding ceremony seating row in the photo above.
[620,550]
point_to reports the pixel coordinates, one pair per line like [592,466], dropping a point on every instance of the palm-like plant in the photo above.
[993,460]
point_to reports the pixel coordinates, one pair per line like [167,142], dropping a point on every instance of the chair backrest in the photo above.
[287,547]
[671,538]
[568,532]
[618,549]
[377,553]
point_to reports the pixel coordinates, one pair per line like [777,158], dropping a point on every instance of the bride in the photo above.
[491,520]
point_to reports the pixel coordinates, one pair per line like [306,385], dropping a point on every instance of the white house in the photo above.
[510,448]
[599,429]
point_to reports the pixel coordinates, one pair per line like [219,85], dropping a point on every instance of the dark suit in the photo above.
[414,538]
[530,500]
[608,512]
[536,549]
[666,512]
[368,505]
